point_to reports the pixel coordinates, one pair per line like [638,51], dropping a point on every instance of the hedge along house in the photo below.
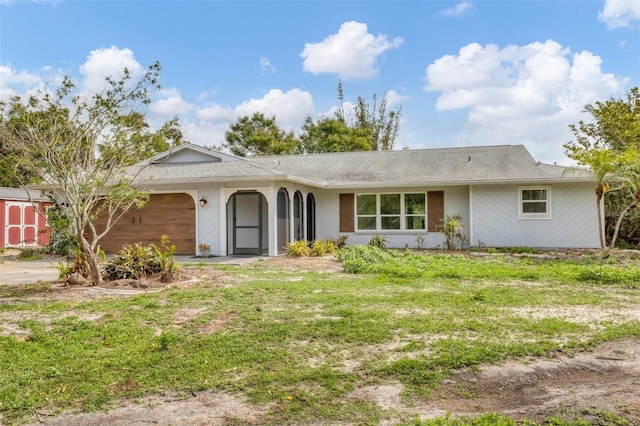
[23,219]
[254,206]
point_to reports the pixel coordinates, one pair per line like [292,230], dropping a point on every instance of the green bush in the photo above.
[135,261]
[378,241]
[32,253]
[362,259]
[341,241]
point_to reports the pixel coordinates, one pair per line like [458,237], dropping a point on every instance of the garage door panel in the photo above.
[164,214]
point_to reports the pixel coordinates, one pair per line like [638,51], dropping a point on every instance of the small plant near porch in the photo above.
[205,249]
[452,228]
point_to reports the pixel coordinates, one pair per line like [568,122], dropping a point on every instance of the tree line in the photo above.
[371,127]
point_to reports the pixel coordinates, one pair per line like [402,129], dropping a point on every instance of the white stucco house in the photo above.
[256,205]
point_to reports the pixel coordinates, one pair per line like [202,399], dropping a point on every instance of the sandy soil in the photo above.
[607,378]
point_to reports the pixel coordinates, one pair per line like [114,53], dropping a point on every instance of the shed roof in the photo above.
[19,194]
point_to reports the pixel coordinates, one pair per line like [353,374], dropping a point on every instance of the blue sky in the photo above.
[465,73]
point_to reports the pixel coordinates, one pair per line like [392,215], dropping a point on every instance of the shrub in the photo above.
[378,241]
[320,248]
[137,261]
[452,228]
[298,248]
[32,253]
[362,259]
[341,241]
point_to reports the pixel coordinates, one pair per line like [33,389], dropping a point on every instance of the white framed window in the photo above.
[534,202]
[391,212]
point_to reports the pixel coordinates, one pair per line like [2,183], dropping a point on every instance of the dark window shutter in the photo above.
[347,212]
[435,210]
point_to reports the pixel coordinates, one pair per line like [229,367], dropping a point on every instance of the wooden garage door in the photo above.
[170,214]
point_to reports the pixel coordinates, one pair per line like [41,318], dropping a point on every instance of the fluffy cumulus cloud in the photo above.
[352,52]
[620,13]
[170,104]
[14,82]
[459,9]
[290,108]
[212,120]
[108,62]
[520,94]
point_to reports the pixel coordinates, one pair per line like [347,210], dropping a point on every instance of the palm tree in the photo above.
[605,165]
[630,173]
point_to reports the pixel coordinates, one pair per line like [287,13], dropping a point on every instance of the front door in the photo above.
[247,214]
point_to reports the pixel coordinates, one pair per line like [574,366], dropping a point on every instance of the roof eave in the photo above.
[459,183]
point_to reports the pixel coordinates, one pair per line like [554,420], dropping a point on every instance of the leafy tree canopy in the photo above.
[81,146]
[332,135]
[259,135]
[609,145]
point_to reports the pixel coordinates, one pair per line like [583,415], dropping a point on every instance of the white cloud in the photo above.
[170,106]
[24,83]
[266,66]
[290,108]
[620,13]
[520,94]
[102,63]
[213,113]
[395,98]
[351,53]
[459,9]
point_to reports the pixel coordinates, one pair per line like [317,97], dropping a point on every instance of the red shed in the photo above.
[23,222]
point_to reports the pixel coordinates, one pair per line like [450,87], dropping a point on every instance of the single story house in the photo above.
[23,220]
[254,206]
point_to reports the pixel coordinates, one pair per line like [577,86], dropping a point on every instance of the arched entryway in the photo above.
[283,220]
[298,216]
[247,215]
[311,217]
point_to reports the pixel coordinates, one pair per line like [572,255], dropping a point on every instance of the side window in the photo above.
[415,211]
[389,211]
[534,202]
[366,211]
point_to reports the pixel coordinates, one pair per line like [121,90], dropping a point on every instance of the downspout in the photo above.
[471,218]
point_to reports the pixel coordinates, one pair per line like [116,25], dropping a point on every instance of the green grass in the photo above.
[285,338]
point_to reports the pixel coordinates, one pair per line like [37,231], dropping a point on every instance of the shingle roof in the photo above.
[204,171]
[19,194]
[445,166]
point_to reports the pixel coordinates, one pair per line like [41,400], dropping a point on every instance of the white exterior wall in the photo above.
[456,200]
[573,222]
[207,218]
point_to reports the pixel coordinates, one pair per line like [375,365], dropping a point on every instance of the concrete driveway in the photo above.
[27,272]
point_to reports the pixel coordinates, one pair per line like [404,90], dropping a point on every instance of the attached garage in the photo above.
[170,214]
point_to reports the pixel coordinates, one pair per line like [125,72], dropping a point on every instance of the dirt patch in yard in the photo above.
[606,378]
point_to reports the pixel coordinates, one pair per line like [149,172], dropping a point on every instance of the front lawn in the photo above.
[298,343]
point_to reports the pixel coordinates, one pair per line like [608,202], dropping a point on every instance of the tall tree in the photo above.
[81,147]
[259,135]
[382,122]
[609,145]
[332,135]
